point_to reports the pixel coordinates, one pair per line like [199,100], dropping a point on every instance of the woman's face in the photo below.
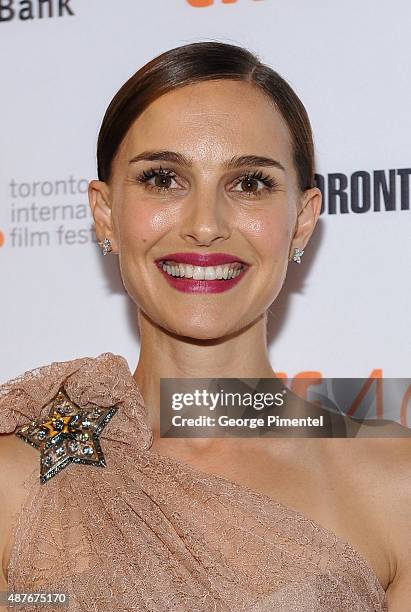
[248,212]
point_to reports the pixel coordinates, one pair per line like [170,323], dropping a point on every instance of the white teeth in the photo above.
[209,274]
[198,273]
[203,272]
[187,271]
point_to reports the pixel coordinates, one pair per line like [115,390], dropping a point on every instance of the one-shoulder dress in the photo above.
[147,532]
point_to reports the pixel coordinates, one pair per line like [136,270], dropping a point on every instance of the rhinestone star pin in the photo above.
[69,434]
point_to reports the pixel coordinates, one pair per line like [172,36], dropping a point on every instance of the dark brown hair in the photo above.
[193,63]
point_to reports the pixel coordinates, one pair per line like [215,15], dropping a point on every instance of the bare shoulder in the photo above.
[386,464]
[17,461]
[396,465]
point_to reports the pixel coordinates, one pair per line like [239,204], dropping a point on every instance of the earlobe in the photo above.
[100,205]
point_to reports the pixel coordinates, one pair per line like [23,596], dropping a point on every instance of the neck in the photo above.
[167,355]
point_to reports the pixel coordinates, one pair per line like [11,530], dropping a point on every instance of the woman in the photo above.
[205,160]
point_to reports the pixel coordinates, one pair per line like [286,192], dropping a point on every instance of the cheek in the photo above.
[269,234]
[140,222]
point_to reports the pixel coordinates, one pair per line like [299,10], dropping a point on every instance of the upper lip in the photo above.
[201,259]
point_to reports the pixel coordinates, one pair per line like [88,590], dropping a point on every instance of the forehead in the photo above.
[209,121]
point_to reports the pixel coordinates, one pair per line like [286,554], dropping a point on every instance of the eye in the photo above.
[249,184]
[162,179]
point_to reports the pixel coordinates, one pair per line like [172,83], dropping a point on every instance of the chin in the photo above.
[203,331]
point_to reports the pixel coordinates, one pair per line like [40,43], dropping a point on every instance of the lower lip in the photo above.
[190,285]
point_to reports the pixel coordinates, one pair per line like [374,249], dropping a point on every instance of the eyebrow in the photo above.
[238,161]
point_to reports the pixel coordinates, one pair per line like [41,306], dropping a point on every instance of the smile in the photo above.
[202,279]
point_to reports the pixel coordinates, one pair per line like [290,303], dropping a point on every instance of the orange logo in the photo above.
[201,3]
[373,385]
[1,239]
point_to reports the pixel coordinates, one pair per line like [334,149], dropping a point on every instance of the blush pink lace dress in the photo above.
[150,533]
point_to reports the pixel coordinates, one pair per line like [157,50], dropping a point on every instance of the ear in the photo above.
[307,218]
[100,204]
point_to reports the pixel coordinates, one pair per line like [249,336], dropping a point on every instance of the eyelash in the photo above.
[270,183]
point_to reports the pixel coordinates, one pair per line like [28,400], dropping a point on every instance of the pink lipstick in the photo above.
[202,273]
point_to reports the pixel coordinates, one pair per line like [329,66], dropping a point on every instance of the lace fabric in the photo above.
[150,533]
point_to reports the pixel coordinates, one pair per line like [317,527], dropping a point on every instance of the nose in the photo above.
[206,218]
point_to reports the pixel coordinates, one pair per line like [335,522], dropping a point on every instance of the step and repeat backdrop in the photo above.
[345,311]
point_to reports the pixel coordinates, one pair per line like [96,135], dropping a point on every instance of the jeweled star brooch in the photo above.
[69,434]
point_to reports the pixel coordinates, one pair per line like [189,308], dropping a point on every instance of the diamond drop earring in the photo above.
[297,254]
[105,246]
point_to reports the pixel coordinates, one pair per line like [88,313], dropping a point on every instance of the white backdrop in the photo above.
[344,312]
